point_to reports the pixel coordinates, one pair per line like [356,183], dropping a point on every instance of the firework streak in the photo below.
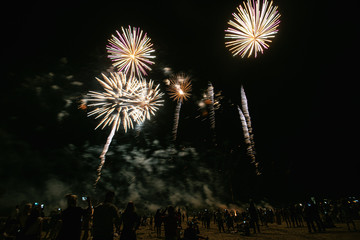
[125,100]
[253,27]
[247,130]
[103,153]
[210,93]
[179,90]
[245,109]
[176,120]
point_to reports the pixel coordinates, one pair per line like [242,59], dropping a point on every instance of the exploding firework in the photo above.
[131,51]
[252,29]
[125,100]
[179,87]
[179,90]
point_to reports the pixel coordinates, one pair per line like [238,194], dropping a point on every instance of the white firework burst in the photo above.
[252,29]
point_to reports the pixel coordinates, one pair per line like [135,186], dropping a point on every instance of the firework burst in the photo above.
[131,51]
[179,87]
[125,100]
[252,29]
[179,90]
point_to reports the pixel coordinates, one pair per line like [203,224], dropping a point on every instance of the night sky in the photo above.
[301,93]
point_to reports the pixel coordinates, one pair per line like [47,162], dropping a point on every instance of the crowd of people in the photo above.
[105,222]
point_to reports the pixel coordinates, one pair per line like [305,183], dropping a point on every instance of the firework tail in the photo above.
[176,120]
[248,141]
[245,109]
[210,92]
[245,130]
[102,156]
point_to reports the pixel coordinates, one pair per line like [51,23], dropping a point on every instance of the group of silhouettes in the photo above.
[106,222]
[102,222]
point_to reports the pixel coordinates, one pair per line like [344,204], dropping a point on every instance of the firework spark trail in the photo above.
[248,141]
[125,100]
[103,153]
[245,130]
[176,120]
[253,27]
[210,93]
[245,109]
[179,90]
[131,51]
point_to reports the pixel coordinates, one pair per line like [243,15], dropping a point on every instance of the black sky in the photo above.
[301,92]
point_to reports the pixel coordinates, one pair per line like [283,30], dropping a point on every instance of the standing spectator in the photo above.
[309,217]
[220,221]
[347,213]
[286,216]
[254,216]
[87,220]
[171,224]
[131,223]
[207,218]
[71,219]
[105,217]
[229,221]
[316,214]
[278,216]
[33,226]
[24,214]
[158,222]
[11,226]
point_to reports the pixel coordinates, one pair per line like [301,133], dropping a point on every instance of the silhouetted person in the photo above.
[286,216]
[229,221]
[131,223]
[192,232]
[105,217]
[33,226]
[54,224]
[220,221]
[293,216]
[317,219]
[207,218]
[86,221]
[158,218]
[299,214]
[309,217]
[254,216]
[71,219]
[11,226]
[24,214]
[278,216]
[347,213]
[244,227]
[171,224]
